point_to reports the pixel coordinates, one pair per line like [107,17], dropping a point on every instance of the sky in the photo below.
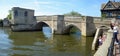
[54,7]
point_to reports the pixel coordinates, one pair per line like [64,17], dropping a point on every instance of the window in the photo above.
[109,14]
[109,6]
[26,14]
[15,13]
[118,17]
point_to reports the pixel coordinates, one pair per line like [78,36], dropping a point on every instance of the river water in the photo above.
[43,44]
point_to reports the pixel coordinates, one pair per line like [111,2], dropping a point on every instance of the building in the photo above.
[22,19]
[111,9]
[22,16]
[6,22]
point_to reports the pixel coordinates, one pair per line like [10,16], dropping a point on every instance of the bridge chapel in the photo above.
[111,9]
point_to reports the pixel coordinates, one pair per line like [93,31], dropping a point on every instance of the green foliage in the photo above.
[1,21]
[9,16]
[103,16]
[72,13]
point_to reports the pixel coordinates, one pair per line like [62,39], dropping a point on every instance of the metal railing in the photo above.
[111,48]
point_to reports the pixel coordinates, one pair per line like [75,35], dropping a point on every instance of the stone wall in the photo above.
[59,24]
[84,24]
[22,16]
[98,22]
[22,19]
[55,22]
[6,22]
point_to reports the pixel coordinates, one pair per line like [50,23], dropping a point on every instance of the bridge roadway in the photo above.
[103,49]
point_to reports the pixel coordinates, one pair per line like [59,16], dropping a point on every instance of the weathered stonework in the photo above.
[24,19]
[6,22]
[89,27]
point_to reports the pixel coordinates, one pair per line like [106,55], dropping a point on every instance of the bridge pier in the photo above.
[58,24]
[87,25]
[88,28]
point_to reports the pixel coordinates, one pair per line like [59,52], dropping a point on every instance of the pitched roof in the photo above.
[116,4]
[103,5]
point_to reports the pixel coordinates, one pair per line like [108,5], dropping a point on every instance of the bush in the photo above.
[72,13]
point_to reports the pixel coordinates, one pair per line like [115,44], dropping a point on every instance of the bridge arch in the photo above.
[41,24]
[104,27]
[69,27]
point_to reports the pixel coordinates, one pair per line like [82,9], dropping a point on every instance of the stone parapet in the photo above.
[103,49]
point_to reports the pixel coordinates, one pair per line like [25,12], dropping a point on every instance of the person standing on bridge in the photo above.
[100,40]
[112,23]
[115,32]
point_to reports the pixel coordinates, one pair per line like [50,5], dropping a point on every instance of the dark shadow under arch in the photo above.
[40,25]
[69,27]
[104,27]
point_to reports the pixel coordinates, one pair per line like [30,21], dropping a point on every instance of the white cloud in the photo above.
[51,7]
[4,11]
[55,3]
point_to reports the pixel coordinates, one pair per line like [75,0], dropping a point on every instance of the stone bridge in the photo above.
[62,24]
[24,19]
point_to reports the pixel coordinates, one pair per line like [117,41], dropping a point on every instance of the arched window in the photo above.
[16,13]
[26,13]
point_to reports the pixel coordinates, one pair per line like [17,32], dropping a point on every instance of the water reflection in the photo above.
[47,32]
[43,44]
[5,43]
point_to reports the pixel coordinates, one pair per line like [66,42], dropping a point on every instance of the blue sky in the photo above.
[53,7]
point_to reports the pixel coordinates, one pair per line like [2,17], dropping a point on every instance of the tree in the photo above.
[103,16]
[72,13]
[9,16]
[1,22]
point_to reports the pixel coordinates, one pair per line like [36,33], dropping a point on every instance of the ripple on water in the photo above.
[5,42]
[43,45]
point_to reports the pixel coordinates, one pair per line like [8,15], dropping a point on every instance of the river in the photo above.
[43,44]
